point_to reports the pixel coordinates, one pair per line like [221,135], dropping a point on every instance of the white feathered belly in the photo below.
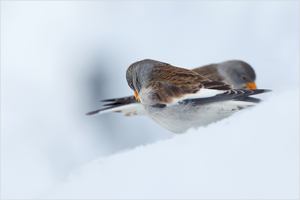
[178,117]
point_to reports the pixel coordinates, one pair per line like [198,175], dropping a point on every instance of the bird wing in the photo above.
[129,109]
[125,105]
[171,85]
[168,84]
[209,71]
[206,69]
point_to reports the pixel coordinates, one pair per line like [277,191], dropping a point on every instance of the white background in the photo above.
[59,58]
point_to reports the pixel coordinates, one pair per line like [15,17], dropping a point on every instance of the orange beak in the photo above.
[136,96]
[251,85]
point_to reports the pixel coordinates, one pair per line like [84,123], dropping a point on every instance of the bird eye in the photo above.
[131,85]
[244,78]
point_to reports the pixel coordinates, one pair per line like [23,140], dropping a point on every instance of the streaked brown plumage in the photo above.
[168,82]
[209,71]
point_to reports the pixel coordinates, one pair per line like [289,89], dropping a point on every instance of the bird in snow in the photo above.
[179,98]
[236,73]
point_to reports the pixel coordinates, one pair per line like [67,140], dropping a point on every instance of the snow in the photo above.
[242,157]
[58,59]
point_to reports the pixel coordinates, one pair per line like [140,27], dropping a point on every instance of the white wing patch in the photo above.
[202,93]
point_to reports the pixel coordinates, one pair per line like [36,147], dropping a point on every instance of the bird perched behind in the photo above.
[237,73]
[178,98]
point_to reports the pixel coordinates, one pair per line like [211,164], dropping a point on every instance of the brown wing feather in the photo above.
[209,71]
[168,82]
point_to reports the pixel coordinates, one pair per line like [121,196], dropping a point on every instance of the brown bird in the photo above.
[236,73]
[179,99]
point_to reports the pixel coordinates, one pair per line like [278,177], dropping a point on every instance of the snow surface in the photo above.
[58,58]
[253,154]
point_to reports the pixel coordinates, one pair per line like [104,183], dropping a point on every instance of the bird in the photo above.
[237,73]
[179,99]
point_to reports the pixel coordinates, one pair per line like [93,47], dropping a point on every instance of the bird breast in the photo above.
[179,118]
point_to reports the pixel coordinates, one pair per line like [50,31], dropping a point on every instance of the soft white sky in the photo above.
[59,58]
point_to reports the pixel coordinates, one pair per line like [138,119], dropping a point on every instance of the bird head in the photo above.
[137,75]
[239,74]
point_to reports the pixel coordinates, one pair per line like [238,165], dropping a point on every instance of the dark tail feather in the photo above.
[94,112]
[113,103]
[99,110]
[128,99]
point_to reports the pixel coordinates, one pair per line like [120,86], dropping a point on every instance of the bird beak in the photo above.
[251,85]
[136,96]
